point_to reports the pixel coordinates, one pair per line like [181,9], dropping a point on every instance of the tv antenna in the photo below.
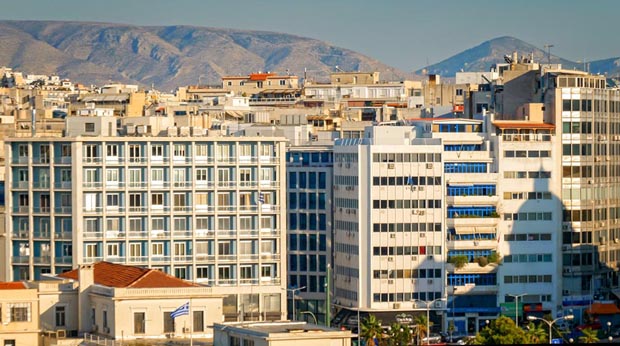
[548,48]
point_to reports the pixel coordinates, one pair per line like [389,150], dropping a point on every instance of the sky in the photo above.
[406,34]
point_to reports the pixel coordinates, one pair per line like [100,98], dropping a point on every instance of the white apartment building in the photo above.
[389,229]
[206,209]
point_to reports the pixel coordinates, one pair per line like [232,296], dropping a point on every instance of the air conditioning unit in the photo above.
[421,212]
[390,259]
[413,188]
[421,188]
[566,247]
[61,334]
[348,165]
[392,235]
[390,166]
[616,240]
[414,212]
[565,292]
[390,282]
[422,235]
[95,328]
[476,243]
[565,227]
[429,281]
[414,258]
[185,330]
[438,305]
[430,256]
[429,166]
[106,330]
[567,270]
[590,181]
[396,306]
[597,159]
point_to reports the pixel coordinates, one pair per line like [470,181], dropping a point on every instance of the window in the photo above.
[179,201]
[199,321]
[65,150]
[134,152]
[157,249]
[139,322]
[168,322]
[157,200]
[89,127]
[180,224]
[202,176]
[135,177]
[179,249]
[157,177]
[135,249]
[111,151]
[20,312]
[157,151]
[135,225]
[60,314]
[113,250]
[111,177]
[179,150]
[112,201]
[135,201]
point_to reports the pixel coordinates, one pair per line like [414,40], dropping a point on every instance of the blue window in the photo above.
[322,180]
[292,221]
[305,157]
[462,147]
[302,200]
[312,242]
[312,222]
[322,263]
[326,157]
[292,180]
[477,279]
[322,201]
[292,243]
[303,225]
[465,167]
[303,264]
[292,200]
[471,254]
[312,200]
[472,190]
[322,242]
[483,211]
[312,180]
[292,262]
[316,157]
[322,222]
[302,180]
[303,242]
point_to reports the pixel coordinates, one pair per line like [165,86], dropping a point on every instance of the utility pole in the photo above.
[548,48]
[328,307]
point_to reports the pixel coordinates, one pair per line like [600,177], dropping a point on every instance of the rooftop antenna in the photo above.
[548,48]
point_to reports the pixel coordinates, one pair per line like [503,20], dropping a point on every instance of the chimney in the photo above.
[86,278]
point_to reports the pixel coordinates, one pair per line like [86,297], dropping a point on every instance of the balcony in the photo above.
[182,209]
[38,160]
[21,234]
[62,185]
[205,233]
[226,233]
[182,234]
[470,222]
[227,282]
[65,160]
[20,259]
[93,259]
[472,244]
[20,185]
[248,257]
[41,210]
[21,160]
[21,209]
[182,184]
[92,185]
[138,259]
[248,233]
[92,210]
[114,160]
[92,235]
[183,258]
[204,257]
[157,234]
[64,235]
[474,268]
[475,289]
[114,235]
[159,259]
[269,281]
[138,234]
[137,184]
[250,281]
[92,159]
[42,260]
[63,210]
[137,159]
[227,184]
[41,235]
[64,260]
[138,209]
[472,200]
[270,257]
[227,257]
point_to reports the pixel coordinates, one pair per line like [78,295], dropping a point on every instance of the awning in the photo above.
[473,230]
[603,309]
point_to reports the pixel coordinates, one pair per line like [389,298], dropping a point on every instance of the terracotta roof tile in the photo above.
[507,124]
[118,275]
[12,286]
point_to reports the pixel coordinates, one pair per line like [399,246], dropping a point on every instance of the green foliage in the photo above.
[399,335]
[482,261]
[494,257]
[459,261]
[537,334]
[370,329]
[420,322]
[501,332]
[589,336]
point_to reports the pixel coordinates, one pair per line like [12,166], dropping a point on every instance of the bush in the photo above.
[482,261]
[494,257]
[459,261]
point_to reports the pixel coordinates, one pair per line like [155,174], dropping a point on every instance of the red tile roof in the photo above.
[122,276]
[12,286]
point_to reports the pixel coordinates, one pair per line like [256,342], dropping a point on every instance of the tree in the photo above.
[589,336]
[399,335]
[501,332]
[459,261]
[421,330]
[536,334]
[370,329]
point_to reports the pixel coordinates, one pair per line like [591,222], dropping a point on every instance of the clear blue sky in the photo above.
[403,33]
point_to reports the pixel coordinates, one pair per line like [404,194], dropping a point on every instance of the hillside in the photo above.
[483,56]
[167,57]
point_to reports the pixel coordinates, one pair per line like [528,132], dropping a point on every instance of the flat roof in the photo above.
[286,327]
[506,124]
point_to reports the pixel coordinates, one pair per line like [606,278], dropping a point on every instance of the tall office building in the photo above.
[206,209]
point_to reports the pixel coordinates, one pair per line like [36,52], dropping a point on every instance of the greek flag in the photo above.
[261,198]
[181,310]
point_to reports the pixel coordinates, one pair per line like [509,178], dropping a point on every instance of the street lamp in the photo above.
[293,298]
[311,314]
[550,323]
[428,315]
[516,297]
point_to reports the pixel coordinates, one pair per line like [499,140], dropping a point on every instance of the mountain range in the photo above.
[484,55]
[171,56]
[168,56]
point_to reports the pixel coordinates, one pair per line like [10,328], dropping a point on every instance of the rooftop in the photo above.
[12,286]
[122,276]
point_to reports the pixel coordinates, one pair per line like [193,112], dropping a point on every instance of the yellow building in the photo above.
[19,315]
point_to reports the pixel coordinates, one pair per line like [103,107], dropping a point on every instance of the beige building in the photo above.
[279,334]
[255,83]
[129,303]
[19,315]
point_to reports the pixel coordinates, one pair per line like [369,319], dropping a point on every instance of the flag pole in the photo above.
[191,323]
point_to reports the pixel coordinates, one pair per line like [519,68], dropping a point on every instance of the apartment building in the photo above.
[389,226]
[309,170]
[205,209]
[19,315]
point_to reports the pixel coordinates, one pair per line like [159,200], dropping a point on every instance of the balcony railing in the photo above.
[91,159]
[21,159]
[248,257]
[93,184]
[138,259]
[62,184]
[93,259]
[204,257]
[139,234]
[63,160]
[158,258]
[41,159]
[20,259]
[64,260]
[64,235]
[63,210]
[41,185]
[21,209]
[182,258]
[42,260]
[182,234]
[92,235]
[41,234]
[227,257]
[41,209]
[20,185]
[227,282]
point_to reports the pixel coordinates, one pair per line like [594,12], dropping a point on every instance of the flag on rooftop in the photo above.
[180,311]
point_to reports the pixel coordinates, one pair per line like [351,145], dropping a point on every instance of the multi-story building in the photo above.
[389,225]
[309,169]
[206,209]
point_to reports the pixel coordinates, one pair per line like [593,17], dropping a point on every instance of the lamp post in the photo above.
[551,323]
[293,298]
[516,297]
[428,315]
[311,314]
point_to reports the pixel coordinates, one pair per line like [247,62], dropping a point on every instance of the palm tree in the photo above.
[370,329]
[588,337]
[421,330]
[536,334]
